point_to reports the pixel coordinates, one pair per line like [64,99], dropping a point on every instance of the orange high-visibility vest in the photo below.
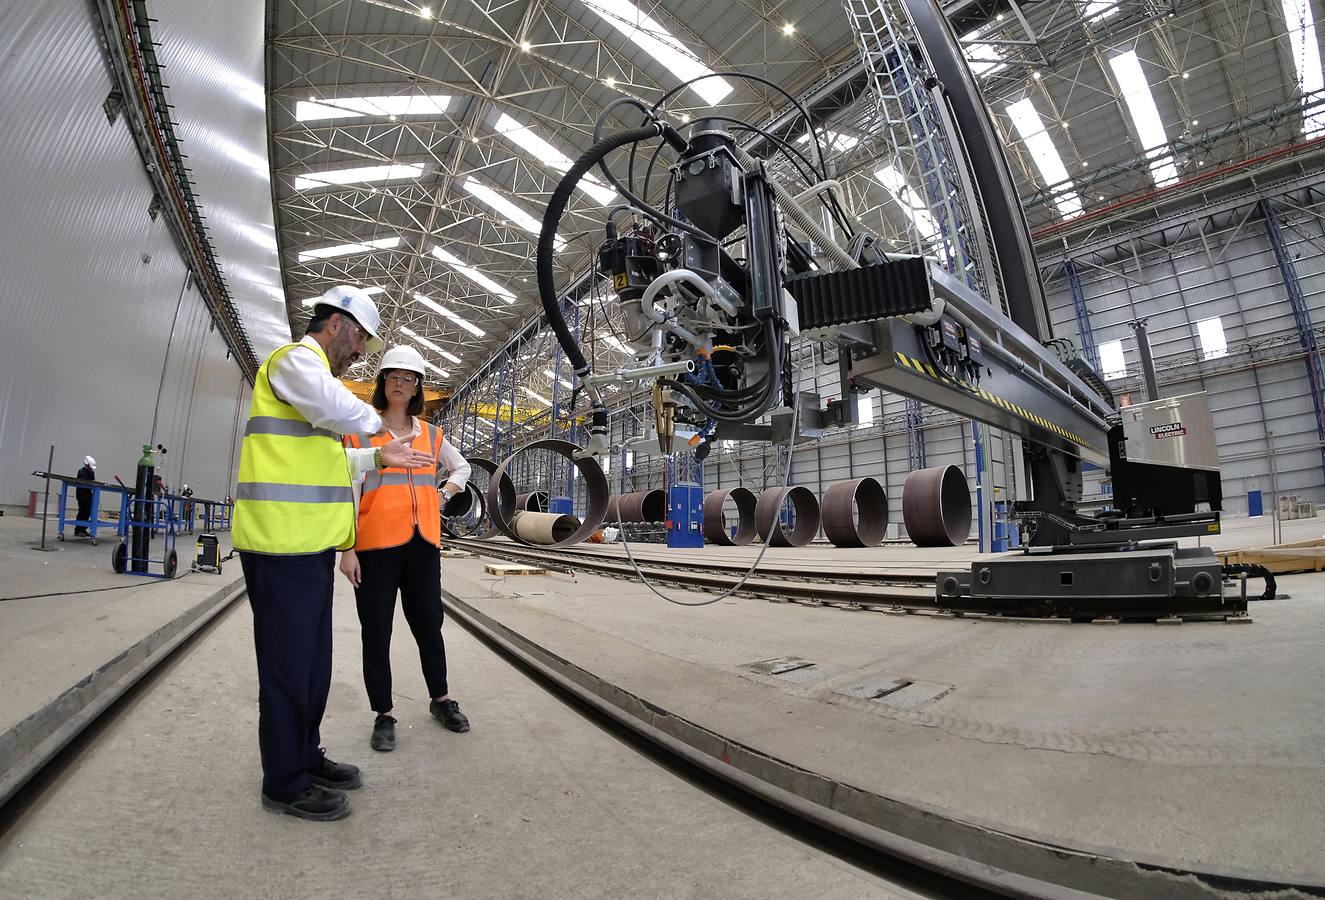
[396,501]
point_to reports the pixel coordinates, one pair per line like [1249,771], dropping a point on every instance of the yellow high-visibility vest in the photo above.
[294,495]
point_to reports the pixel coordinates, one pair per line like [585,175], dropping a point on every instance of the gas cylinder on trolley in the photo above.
[141,512]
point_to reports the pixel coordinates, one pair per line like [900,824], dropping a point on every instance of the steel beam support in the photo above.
[1089,349]
[1301,315]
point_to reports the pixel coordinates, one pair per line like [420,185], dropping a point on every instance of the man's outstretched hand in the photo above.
[398,454]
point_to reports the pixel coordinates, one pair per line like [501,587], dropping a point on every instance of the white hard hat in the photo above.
[356,302]
[402,356]
[89,461]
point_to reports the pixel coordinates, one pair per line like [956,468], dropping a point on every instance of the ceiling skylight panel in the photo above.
[981,58]
[441,372]
[1098,10]
[505,207]
[446,313]
[473,274]
[1145,116]
[537,396]
[613,342]
[429,344]
[837,141]
[650,36]
[358,107]
[909,201]
[357,175]
[1306,58]
[346,249]
[524,137]
[565,382]
[370,291]
[1031,128]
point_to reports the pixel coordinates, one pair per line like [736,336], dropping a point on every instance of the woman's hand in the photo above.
[349,565]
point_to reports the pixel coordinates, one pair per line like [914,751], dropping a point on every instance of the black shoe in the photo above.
[316,803]
[340,776]
[448,713]
[384,733]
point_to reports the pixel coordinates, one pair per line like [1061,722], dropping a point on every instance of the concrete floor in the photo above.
[48,643]
[1201,744]
[533,802]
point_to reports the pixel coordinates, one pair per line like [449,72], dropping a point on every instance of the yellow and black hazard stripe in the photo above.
[928,370]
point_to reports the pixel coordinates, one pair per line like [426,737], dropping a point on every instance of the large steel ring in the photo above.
[532,501]
[641,506]
[805,507]
[501,492]
[841,503]
[715,521]
[460,506]
[936,507]
[490,467]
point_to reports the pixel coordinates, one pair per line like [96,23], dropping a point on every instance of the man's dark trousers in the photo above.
[291,601]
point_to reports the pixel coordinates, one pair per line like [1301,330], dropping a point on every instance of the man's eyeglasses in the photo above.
[406,378]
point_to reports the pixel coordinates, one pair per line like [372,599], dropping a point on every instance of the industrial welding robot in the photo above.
[710,326]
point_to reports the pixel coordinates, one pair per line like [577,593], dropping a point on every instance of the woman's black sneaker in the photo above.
[316,803]
[448,713]
[384,733]
[339,776]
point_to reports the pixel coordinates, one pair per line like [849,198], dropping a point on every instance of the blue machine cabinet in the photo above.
[685,515]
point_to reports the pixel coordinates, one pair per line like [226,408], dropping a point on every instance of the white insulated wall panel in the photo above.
[91,283]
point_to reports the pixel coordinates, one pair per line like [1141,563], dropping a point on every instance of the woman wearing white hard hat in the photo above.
[399,537]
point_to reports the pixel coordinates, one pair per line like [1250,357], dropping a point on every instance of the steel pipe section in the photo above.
[805,510]
[488,467]
[463,514]
[843,500]
[532,501]
[936,507]
[501,492]
[641,506]
[545,529]
[715,520]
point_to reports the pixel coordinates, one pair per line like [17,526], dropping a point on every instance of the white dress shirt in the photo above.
[301,380]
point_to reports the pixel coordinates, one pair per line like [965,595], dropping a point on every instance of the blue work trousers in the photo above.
[291,600]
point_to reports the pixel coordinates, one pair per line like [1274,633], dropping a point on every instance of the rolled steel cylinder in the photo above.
[841,503]
[544,528]
[461,503]
[936,507]
[501,491]
[488,467]
[805,509]
[641,506]
[532,501]
[715,520]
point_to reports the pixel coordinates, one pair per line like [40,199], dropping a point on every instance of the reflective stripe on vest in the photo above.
[396,501]
[294,494]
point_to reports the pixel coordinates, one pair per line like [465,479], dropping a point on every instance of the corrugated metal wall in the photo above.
[1261,386]
[91,282]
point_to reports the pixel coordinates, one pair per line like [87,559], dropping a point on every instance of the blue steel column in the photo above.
[1306,332]
[915,438]
[1088,347]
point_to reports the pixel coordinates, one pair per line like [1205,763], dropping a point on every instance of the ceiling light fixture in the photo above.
[653,38]
[390,243]
[473,274]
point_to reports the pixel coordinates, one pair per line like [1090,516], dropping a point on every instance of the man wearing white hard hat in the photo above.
[84,495]
[294,508]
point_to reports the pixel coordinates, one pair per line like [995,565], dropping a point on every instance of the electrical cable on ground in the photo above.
[786,482]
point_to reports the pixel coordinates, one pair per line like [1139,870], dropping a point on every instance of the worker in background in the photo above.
[186,508]
[400,534]
[294,507]
[84,495]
